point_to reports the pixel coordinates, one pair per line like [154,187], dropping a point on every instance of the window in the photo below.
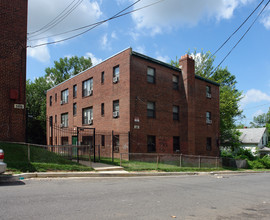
[151,75]
[51,121]
[116,143]
[209,143]
[115,74]
[64,96]
[102,140]
[151,143]
[87,115]
[208,92]
[55,97]
[64,120]
[176,112]
[151,111]
[116,71]
[102,77]
[74,91]
[208,118]
[175,81]
[87,87]
[55,119]
[102,109]
[50,100]
[116,108]
[74,109]
[176,144]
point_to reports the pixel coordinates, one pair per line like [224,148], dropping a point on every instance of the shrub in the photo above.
[256,164]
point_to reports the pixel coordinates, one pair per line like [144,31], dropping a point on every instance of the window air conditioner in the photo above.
[115,79]
[89,92]
[90,121]
[208,121]
[61,102]
[62,125]
[208,95]
[116,114]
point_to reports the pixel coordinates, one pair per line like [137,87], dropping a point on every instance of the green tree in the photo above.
[67,67]
[229,95]
[36,109]
[36,93]
[262,120]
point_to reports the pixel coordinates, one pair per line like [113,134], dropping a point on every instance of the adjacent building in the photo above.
[13,34]
[149,106]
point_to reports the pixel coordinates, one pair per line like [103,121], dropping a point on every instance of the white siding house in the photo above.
[255,139]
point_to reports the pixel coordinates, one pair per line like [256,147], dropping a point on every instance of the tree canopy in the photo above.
[67,67]
[36,93]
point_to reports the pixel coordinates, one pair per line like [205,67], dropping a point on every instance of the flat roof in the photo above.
[155,61]
[141,56]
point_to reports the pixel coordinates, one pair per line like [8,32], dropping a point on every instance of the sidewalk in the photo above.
[105,170]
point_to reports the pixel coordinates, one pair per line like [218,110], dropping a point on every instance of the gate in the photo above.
[85,142]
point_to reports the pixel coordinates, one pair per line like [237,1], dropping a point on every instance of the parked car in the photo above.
[3,166]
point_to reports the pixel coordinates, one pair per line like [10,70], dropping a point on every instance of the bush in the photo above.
[265,161]
[256,164]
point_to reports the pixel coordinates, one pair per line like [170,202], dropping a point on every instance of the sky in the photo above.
[164,30]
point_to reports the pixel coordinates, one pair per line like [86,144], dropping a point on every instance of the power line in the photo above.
[57,19]
[237,29]
[99,23]
[240,38]
[94,25]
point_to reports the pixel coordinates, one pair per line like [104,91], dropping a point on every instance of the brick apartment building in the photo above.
[13,26]
[150,106]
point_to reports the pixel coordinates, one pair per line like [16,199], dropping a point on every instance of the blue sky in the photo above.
[163,31]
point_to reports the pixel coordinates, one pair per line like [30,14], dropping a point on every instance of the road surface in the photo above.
[241,196]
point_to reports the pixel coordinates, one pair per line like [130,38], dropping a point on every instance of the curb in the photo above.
[22,176]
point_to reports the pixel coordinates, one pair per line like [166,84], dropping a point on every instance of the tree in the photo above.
[229,95]
[36,93]
[67,67]
[262,120]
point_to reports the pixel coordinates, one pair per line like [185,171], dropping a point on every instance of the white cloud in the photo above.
[254,96]
[266,19]
[164,59]
[94,59]
[41,54]
[174,13]
[41,12]
[104,41]
[140,49]
[113,35]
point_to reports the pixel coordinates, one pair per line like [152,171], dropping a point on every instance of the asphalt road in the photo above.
[243,196]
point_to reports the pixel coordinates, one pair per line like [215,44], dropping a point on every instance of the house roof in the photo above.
[251,135]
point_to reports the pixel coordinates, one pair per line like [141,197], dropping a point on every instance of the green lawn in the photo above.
[41,160]
[147,166]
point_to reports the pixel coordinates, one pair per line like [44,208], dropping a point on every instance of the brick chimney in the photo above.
[187,64]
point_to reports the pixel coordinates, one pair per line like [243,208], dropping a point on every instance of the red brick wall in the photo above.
[133,92]
[102,93]
[203,130]
[13,26]
[162,126]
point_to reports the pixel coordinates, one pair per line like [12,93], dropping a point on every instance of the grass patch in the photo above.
[41,160]
[149,166]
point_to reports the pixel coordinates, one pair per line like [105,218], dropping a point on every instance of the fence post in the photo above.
[217,162]
[180,160]
[28,150]
[157,161]
[120,159]
[112,146]
[199,161]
